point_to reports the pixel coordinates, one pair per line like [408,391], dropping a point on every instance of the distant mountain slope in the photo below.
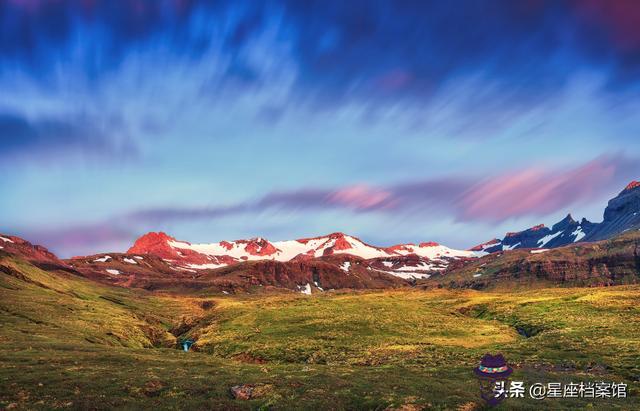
[608,262]
[45,305]
[158,261]
[566,231]
[30,252]
[622,214]
[261,249]
[427,256]
[301,275]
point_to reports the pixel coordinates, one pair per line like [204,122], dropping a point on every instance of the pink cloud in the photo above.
[360,197]
[80,239]
[538,191]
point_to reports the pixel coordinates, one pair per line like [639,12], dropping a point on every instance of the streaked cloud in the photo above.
[539,191]
[437,113]
[44,139]
[532,191]
[81,239]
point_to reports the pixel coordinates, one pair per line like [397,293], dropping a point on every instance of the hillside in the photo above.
[158,261]
[68,342]
[603,263]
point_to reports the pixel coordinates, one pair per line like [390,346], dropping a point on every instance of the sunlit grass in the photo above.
[67,342]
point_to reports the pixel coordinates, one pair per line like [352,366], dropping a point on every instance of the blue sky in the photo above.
[393,121]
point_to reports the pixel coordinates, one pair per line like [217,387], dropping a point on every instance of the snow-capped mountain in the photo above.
[426,256]
[564,232]
[334,261]
[622,214]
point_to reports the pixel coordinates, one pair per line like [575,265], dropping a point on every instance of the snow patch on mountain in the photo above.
[510,247]
[336,243]
[421,266]
[579,234]
[544,240]
[305,289]
[206,266]
[216,255]
[407,275]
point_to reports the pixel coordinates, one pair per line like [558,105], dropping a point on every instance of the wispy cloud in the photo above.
[538,191]
[532,191]
[45,139]
[383,51]
[82,239]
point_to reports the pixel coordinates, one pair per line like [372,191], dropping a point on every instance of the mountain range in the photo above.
[621,214]
[215,255]
[157,261]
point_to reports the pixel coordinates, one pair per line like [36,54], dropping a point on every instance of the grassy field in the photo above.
[66,342]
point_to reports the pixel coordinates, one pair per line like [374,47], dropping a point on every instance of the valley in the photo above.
[68,342]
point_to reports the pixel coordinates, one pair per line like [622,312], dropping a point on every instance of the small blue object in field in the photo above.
[186,344]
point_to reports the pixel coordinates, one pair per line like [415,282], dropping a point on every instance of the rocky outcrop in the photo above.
[609,262]
[566,231]
[260,247]
[321,274]
[622,214]
[159,244]
[30,252]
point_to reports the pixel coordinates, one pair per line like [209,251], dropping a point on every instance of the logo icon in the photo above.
[492,373]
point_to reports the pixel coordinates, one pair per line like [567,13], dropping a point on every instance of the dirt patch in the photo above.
[528,330]
[250,391]
[249,359]
[153,388]
[207,305]
[113,300]
[185,324]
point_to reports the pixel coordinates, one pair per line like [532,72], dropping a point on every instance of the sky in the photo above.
[394,121]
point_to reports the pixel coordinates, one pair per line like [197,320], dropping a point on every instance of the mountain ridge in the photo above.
[621,214]
[224,253]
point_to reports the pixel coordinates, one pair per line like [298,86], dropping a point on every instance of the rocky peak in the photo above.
[260,246]
[159,244]
[338,242]
[429,244]
[565,223]
[489,246]
[151,242]
[627,202]
[336,235]
[632,186]
[32,252]
[622,214]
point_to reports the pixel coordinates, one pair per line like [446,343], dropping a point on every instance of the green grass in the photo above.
[69,343]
